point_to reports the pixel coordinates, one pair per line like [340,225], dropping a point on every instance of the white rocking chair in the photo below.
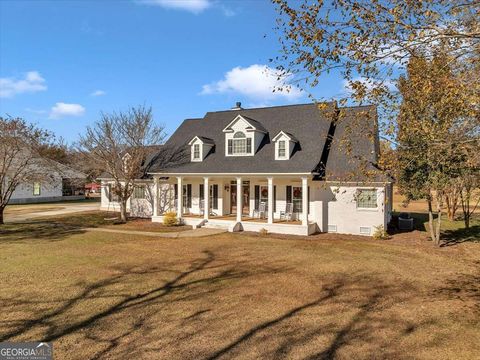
[288,213]
[261,211]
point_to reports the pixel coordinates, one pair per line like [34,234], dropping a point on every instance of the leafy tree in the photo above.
[21,156]
[367,40]
[437,126]
[370,43]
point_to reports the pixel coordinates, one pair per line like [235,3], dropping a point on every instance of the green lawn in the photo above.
[101,295]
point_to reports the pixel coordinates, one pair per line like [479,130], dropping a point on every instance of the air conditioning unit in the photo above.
[405,222]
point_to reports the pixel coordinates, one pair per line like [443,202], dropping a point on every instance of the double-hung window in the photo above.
[139,192]
[36,188]
[240,144]
[367,199]
[297,199]
[282,149]
[196,151]
[187,196]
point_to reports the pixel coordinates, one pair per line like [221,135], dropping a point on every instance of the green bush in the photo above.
[380,233]
[170,219]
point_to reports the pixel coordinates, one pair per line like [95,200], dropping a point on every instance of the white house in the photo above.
[61,184]
[282,168]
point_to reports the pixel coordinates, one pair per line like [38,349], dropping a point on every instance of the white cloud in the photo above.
[98,93]
[32,82]
[257,82]
[62,109]
[193,6]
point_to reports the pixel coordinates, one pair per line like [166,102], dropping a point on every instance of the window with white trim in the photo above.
[139,192]
[36,188]
[297,199]
[282,152]
[196,151]
[367,199]
[240,144]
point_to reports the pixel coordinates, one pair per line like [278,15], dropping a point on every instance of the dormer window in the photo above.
[240,144]
[284,145]
[196,151]
[126,162]
[200,147]
[243,135]
[281,149]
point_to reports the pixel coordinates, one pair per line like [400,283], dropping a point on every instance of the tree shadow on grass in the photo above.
[35,230]
[455,237]
[123,327]
[289,339]
[50,228]
[200,279]
[464,287]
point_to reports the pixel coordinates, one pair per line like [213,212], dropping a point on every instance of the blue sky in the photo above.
[63,62]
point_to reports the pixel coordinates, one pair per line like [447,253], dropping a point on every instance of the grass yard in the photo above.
[102,295]
[51,228]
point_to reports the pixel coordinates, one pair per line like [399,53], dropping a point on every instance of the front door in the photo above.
[246,198]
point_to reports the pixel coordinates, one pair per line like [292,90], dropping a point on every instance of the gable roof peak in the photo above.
[254,124]
[287,134]
[202,139]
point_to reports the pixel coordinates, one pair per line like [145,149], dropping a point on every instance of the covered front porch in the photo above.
[278,204]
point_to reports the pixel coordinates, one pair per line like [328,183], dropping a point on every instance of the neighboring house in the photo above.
[141,202]
[62,183]
[93,188]
[279,168]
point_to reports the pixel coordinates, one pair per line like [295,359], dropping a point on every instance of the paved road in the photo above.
[67,209]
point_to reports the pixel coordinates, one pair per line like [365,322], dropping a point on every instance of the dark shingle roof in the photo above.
[206,140]
[307,124]
[255,123]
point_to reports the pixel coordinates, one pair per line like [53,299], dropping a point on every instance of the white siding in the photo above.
[50,190]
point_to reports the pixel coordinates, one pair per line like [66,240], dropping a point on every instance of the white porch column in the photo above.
[239,199]
[206,198]
[270,200]
[304,201]
[155,196]
[179,197]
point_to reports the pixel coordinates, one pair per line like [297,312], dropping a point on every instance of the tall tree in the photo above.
[369,42]
[21,157]
[437,127]
[118,144]
[366,40]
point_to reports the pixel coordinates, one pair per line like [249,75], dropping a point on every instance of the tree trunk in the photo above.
[434,229]
[465,199]
[450,213]
[123,210]
[430,219]
[2,208]
[439,222]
